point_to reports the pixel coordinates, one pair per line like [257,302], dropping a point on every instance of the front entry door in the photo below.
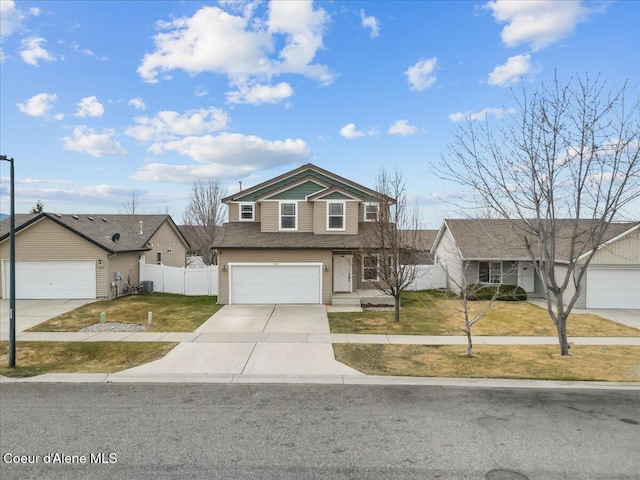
[526,276]
[342,273]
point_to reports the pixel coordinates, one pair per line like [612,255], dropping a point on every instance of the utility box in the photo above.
[146,286]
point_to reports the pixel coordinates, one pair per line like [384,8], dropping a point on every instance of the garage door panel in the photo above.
[613,288]
[283,283]
[72,279]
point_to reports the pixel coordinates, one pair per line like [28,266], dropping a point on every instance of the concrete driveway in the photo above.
[32,312]
[625,316]
[255,340]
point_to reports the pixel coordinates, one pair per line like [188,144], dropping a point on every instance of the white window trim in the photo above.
[368,204]
[490,263]
[280,203]
[368,280]
[253,212]
[344,216]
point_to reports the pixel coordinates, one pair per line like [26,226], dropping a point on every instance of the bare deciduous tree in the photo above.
[570,151]
[38,208]
[204,213]
[392,243]
[131,206]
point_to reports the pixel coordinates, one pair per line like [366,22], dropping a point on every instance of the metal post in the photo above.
[12,268]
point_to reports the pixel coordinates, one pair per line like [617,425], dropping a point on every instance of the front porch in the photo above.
[355,300]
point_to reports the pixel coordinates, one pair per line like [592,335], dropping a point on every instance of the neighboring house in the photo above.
[86,256]
[194,235]
[491,251]
[295,238]
[418,244]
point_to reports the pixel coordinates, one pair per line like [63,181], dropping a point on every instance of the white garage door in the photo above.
[47,280]
[613,288]
[275,283]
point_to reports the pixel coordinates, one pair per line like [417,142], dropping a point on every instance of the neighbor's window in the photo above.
[246,212]
[370,268]
[490,272]
[335,219]
[371,212]
[288,216]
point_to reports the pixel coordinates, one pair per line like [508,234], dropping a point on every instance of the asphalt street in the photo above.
[316,431]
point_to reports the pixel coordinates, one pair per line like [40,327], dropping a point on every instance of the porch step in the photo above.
[345,302]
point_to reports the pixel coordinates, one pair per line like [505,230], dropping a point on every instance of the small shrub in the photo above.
[505,293]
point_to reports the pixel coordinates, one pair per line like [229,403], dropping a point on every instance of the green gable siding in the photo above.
[250,197]
[335,196]
[299,192]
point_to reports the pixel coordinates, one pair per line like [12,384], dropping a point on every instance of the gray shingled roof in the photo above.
[99,229]
[494,239]
[248,235]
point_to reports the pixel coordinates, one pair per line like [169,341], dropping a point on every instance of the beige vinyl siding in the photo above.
[447,254]
[351,218]
[269,221]
[163,240]
[234,212]
[625,251]
[271,256]
[46,240]
[127,264]
[305,217]
[560,273]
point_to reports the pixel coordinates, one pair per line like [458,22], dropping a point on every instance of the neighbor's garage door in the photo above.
[275,283]
[613,288]
[50,280]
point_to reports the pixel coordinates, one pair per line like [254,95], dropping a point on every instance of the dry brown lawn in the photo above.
[431,313]
[37,358]
[594,363]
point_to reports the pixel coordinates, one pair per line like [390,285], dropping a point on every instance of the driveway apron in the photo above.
[255,340]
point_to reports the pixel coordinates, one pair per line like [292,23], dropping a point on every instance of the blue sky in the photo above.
[99,98]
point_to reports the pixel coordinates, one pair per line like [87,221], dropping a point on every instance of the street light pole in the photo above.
[12,267]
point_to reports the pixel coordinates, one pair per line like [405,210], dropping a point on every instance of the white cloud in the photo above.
[511,72]
[350,131]
[243,48]
[538,23]
[200,91]
[168,124]
[481,115]
[402,127]
[137,103]
[89,107]
[258,94]
[370,23]
[421,75]
[228,155]
[87,140]
[38,105]
[32,51]
[85,51]
[10,17]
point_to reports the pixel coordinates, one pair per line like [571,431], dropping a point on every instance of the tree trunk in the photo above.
[469,343]
[561,327]
[397,309]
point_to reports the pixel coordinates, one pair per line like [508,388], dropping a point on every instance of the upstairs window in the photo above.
[371,212]
[247,212]
[335,216]
[490,272]
[288,218]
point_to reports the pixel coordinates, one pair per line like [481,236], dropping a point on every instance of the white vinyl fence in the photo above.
[429,277]
[183,281]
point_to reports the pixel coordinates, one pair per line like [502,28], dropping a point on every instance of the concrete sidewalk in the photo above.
[309,338]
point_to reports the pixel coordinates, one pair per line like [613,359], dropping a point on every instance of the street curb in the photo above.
[320,379]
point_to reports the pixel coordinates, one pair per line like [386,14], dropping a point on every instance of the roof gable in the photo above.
[101,230]
[308,170]
[295,191]
[500,239]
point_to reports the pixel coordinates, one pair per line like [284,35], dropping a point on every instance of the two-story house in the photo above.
[295,238]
